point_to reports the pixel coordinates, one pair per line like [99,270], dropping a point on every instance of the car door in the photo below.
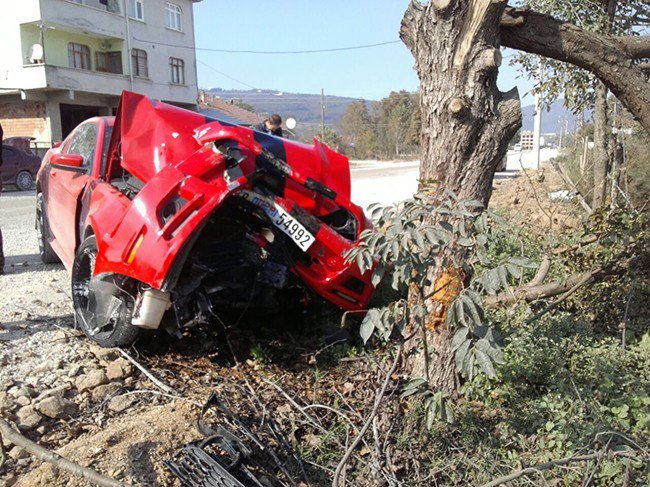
[9,164]
[66,187]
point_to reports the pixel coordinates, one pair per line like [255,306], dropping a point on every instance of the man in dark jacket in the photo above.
[2,255]
[272,125]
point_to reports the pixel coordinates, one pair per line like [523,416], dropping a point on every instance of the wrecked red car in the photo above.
[165,217]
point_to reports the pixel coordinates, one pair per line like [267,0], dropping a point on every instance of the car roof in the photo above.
[107,120]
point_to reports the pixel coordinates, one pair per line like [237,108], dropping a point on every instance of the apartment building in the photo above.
[63,61]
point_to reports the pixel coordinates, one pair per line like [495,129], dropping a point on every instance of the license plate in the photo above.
[290,226]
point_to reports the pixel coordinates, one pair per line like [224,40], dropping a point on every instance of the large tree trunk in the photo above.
[466,126]
[608,58]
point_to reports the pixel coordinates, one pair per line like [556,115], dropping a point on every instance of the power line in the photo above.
[236,51]
[226,75]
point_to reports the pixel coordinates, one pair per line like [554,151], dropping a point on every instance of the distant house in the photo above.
[526,140]
[227,111]
[64,61]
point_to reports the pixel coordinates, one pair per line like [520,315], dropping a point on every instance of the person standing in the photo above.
[272,125]
[2,255]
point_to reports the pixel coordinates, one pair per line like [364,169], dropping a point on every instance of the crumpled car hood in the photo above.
[153,135]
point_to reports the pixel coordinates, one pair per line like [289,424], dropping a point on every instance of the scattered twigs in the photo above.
[55,459]
[572,186]
[162,394]
[373,413]
[605,452]
[309,417]
[157,382]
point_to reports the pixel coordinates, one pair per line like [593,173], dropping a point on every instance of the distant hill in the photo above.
[552,120]
[305,108]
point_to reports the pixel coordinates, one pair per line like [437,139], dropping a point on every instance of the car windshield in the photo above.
[107,140]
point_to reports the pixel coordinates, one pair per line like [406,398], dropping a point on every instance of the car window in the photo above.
[84,142]
[7,152]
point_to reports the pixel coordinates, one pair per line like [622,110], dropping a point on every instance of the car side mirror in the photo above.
[57,144]
[67,160]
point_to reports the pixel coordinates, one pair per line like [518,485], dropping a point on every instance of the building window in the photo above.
[136,9]
[178,70]
[108,5]
[109,62]
[174,16]
[139,65]
[78,56]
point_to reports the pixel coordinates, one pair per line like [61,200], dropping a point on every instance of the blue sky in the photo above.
[311,24]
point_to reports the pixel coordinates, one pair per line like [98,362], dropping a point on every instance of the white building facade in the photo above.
[63,61]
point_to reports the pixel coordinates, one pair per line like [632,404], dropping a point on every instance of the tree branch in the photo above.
[608,58]
[55,459]
[533,293]
[555,463]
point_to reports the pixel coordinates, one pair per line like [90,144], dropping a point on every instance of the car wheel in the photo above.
[103,306]
[48,256]
[24,180]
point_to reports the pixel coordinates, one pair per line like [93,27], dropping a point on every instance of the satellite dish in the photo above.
[36,54]
[291,123]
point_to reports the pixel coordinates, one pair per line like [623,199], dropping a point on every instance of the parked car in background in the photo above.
[22,143]
[19,168]
[167,219]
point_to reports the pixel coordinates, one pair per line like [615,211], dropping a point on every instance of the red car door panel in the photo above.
[66,187]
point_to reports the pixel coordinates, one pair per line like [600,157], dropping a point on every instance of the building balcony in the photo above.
[86,17]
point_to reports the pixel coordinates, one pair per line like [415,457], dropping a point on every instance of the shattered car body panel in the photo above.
[212,213]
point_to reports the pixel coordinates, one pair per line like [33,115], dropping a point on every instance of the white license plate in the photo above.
[290,226]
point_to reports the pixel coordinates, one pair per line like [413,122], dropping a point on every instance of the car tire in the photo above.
[118,330]
[48,256]
[24,181]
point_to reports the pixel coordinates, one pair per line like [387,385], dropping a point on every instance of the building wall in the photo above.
[160,44]
[53,83]
[24,118]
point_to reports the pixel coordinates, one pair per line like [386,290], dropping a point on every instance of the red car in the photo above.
[166,218]
[18,168]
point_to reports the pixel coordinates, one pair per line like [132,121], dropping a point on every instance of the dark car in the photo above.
[19,168]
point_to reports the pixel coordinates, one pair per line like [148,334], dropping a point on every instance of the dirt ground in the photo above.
[95,408]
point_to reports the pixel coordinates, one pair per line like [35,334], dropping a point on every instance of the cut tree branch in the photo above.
[608,58]
[530,293]
[556,463]
[54,458]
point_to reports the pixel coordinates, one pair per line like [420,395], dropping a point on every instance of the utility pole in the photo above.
[537,130]
[322,115]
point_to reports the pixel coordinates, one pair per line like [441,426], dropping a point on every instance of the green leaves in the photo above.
[436,404]
[414,241]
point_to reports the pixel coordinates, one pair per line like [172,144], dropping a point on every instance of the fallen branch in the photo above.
[548,290]
[555,463]
[157,382]
[54,458]
[373,413]
[587,278]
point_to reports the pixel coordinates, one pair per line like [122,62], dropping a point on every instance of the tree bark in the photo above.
[466,126]
[601,146]
[608,58]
